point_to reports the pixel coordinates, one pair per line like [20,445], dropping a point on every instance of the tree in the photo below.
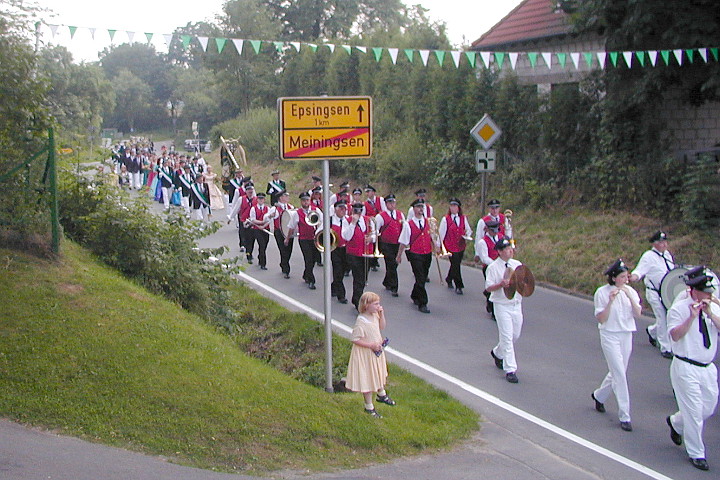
[133,96]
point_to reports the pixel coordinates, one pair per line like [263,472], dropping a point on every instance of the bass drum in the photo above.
[285,220]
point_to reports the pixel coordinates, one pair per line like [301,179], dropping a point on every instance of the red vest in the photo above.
[259,213]
[245,207]
[420,240]
[356,245]
[341,242]
[501,230]
[280,211]
[453,240]
[306,231]
[374,207]
[390,231]
[492,253]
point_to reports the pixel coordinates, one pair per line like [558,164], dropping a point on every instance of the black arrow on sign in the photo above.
[360,112]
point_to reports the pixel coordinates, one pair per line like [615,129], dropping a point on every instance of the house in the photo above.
[538,35]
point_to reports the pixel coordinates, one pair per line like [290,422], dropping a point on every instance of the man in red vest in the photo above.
[454,229]
[389,224]
[416,242]
[259,229]
[338,257]
[306,236]
[285,248]
[359,235]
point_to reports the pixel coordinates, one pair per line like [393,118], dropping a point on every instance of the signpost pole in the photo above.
[327,276]
[484,189]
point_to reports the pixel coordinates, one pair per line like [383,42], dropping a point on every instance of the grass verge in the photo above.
[87,353]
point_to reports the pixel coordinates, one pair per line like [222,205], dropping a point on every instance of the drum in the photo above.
[285,220]
[673,284]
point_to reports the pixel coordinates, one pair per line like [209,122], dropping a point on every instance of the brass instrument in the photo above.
[313,218]
[319,241]
[435,235]
[376,252]
[508,226]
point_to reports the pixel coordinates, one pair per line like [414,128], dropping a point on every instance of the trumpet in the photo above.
[313,218]
[319,241]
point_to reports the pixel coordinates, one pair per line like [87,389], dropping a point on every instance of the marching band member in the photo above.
[166,182]
[486,254]
[507,311]
[338,257]
[493,214]
[344,186]
[285,248]
[616,306]
[359,235]
[373,205]
[241,210]
[389,224]
[258,228]
[693,324]
[199,199]
[316,197]
[416,242]
[357,197]
[453,228]
[306,237]
[316,182]
[235,186]
[428,210]
[651,268]
[275,186]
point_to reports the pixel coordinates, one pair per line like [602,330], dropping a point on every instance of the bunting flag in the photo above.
[707,54]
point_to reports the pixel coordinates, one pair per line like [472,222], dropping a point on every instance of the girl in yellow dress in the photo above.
[367,368]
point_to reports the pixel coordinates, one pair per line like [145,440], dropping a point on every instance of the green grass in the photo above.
[87,353]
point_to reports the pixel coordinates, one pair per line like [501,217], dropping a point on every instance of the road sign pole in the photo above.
[484,189]
[327,276]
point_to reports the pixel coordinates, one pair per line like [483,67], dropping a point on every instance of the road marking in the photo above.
[471,389]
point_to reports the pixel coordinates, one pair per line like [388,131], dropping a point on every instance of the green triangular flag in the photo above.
[185,41]
[347,48]
[499,58]
[562,58]
[714,51]
[377,51]
[588,58]
[279,46]
[148,36]
[72,31]
[112,34]
[409,53]
[472,58]
[665,55]
[220,42]
[313,46]
[689,54]
[440,55]
[532,56]
[256,44]
[641,57]
[614,58]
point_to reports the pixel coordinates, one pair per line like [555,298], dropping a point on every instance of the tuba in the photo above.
[319,241]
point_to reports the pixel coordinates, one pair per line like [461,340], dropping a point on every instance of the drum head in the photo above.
[524,281]
[672,285]
[285,219]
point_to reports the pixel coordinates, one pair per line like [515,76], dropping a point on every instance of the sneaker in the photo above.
[373,413]
[386,400]
[511,377]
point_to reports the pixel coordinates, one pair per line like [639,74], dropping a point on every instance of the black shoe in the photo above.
[386,400]
[459,291]
[286,275]
[249,260]
[627,426]
[415,301]
[427,280]
[652,341]
[311,286]
[373,269]
[347,274]
[393,293]
[674,435]
[373,413]
[700,463]
[599,406]
[423,309]
[263,267]
[666,354]
[511,377]
[319,264]
[342,300]
[498,361]
[450,285]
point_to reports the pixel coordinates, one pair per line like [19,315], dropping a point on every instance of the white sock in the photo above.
[369,406]
[381,393]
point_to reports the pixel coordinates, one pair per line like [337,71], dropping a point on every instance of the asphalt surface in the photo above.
[543,427]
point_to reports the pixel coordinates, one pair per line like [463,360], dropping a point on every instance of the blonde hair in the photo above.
[366,299]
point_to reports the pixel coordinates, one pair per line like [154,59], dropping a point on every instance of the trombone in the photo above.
[372,230]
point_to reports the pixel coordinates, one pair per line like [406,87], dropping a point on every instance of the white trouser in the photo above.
[658,329]
[696,393]
[137,180]
[616,347]
[198,214]
[509,322]
[167,193]
[185,204]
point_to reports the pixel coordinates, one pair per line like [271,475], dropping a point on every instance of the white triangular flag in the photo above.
[331,46]
[575,57]
[203,43]
[424,55]
[53,29]
[653,56]
[131,36]
[678,55]
[703,53]
[601,58]
[362,49]
[238,42]
[393,54]
[547,56]
[628,58]
[296,45]
[168,39]
[513,59]
[485,58]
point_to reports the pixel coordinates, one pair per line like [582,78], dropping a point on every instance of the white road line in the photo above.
[469,388]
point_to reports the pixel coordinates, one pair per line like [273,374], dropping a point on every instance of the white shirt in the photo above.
[620,318]
[428,211]
[691,344]
[494,275]
[653,265]
[481,248]
[293,224]
[348,230]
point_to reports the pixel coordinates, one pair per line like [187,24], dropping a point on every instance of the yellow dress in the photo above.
[367,372]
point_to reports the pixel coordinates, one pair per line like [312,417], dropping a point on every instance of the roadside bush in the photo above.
[404,159]
[699,199]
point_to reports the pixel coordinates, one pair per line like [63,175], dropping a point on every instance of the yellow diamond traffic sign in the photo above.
[485,132]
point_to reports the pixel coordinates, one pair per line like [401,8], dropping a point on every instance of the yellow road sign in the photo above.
[325,127]
[485,132]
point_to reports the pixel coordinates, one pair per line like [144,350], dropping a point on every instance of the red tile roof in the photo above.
[532,19]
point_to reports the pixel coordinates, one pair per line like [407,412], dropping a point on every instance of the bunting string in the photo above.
[550,60]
